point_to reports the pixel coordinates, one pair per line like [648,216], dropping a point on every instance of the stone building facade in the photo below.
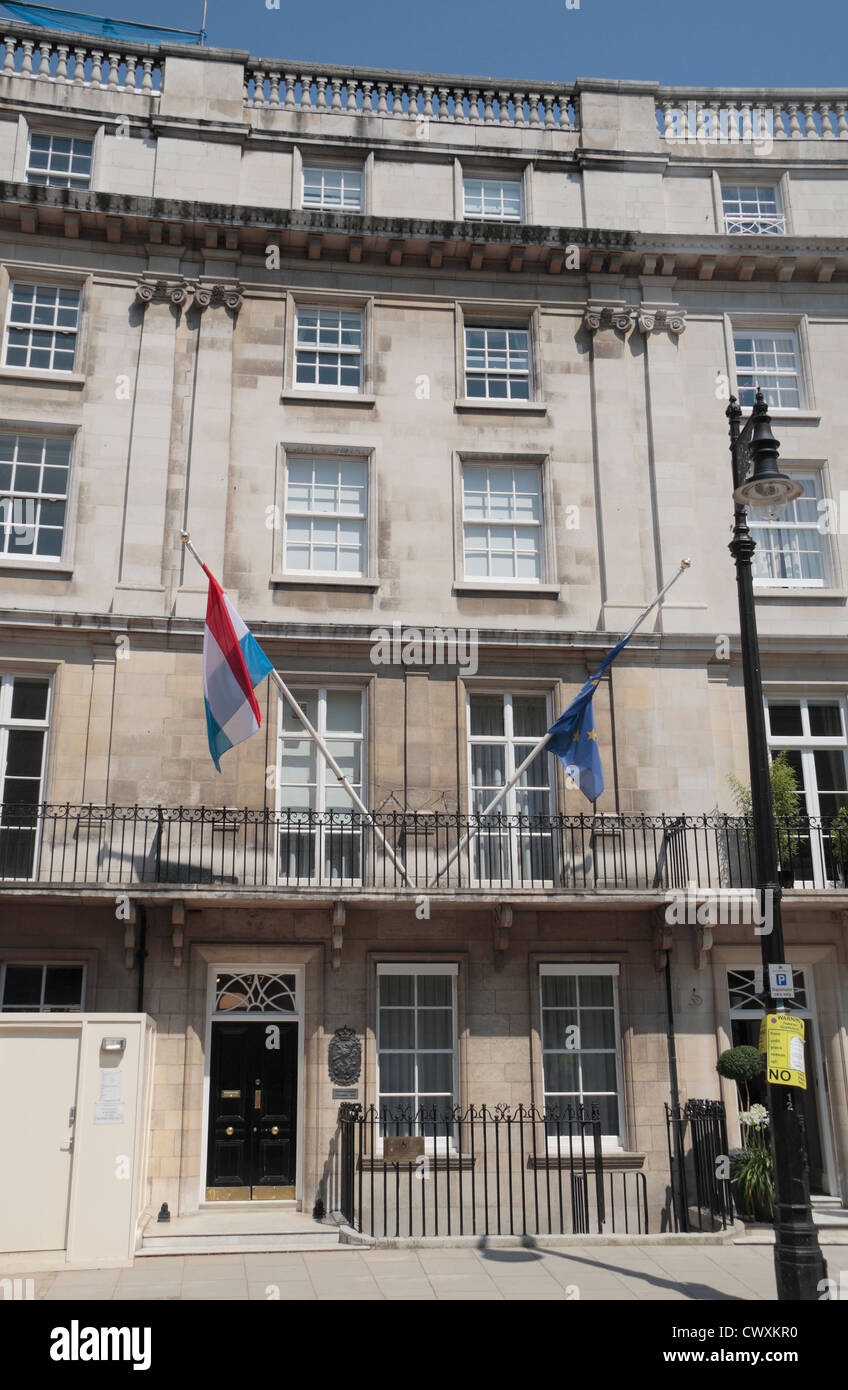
[409,353]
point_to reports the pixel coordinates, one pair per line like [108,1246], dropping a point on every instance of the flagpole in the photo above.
[318,741]
[546,738]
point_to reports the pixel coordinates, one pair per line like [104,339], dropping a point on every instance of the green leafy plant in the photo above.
[839,840]
[752,1167]
[786,803]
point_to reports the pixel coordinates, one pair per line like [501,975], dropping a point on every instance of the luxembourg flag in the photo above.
[233,664]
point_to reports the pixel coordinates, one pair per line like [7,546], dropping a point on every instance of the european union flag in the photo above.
[573,735]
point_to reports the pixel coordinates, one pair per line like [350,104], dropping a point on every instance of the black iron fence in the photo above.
[235,847]
[482,1171]
[701,1195]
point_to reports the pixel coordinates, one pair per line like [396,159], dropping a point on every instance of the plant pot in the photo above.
[755,1212]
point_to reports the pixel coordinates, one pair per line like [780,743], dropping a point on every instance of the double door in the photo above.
[252,1153]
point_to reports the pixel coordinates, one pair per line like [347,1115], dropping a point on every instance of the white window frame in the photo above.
[608,1141]
[415,968]
[469,176]
[507,740]
[311,514]
[7,682]
[344,173]
[43,966]
[75,333]
[319,833]
[8,523]
[494,524]
[490,374]
[806,743]
[58,180]
[761,223]
[759,528]
[342,351]
[799,374]
[515,839]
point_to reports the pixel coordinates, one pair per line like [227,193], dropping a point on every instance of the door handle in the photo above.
[257,1097]
[70,1146]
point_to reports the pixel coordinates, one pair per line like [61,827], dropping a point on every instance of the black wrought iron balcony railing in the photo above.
[238,849]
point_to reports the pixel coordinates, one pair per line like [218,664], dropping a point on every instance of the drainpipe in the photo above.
[141,956]
[672,1043]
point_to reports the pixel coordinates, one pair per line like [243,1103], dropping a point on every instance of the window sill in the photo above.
[441,1162]
[485,586]
[324,581]
[804,595]
[341,212]
[309,397]
[468,403]
[42,378]
[804,417]
[614,1160]
[41,569]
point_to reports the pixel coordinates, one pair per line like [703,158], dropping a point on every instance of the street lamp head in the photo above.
[767,491]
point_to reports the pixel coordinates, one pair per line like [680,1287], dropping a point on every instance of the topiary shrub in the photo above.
[741,1064]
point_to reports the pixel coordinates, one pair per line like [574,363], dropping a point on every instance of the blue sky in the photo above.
[782,43]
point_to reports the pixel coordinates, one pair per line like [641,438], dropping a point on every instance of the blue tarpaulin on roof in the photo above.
[80,23]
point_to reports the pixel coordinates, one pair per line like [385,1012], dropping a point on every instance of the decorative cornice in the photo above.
[246,232]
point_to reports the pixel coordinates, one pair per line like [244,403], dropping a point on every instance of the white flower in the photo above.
[757,1117]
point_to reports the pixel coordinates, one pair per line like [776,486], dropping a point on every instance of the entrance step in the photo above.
[229,1245]
[829,1213]
[217,1230]
[830,1218]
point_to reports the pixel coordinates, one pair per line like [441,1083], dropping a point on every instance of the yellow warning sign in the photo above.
[782,1041]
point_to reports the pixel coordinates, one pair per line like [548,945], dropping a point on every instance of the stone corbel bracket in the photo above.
[662,939]
[598,316]
[216,295]
[622,318]
[502,928]
[177,934]
[703,944]
[652,318]
[130,940]
[337,922]
[183,294]
[162,291]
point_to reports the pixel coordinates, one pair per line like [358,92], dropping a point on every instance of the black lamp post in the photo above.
[759,484]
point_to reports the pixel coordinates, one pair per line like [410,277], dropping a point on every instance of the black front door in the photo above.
[253,1111]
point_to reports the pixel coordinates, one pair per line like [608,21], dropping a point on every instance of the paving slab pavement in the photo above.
[586,1272]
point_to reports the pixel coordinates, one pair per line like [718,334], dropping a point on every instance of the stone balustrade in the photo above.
[759,118]
[403,96]
[94,65]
